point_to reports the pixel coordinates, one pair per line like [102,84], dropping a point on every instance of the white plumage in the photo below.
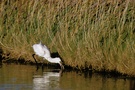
[42,51]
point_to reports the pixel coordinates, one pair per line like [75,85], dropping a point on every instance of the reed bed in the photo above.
[97,34]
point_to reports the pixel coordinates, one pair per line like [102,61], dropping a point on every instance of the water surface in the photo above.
[25,77]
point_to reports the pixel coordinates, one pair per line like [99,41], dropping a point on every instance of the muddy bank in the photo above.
[86,71]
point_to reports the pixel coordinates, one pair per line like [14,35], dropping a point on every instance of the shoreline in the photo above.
[105,73]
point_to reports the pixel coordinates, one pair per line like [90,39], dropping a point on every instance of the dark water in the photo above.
[25,77]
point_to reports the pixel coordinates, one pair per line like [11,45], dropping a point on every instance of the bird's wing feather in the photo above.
[41,50]
[46,50]
[38,50]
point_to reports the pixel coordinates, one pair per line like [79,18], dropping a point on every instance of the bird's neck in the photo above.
[53,60]
[49,59]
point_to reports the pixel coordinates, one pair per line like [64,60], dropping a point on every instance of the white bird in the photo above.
[42,51]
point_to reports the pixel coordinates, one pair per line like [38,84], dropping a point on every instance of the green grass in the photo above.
[85,33]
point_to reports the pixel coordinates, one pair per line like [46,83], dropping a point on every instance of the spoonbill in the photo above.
[43,51]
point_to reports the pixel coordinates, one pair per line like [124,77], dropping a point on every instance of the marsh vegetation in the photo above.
[97,34]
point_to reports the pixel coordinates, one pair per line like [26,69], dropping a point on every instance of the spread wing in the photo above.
[46,51]
[41,50]
[38,50]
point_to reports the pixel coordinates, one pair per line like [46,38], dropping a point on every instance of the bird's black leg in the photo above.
[35,61]
[42,66]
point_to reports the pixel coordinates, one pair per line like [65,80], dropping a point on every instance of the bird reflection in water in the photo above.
[49,80]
